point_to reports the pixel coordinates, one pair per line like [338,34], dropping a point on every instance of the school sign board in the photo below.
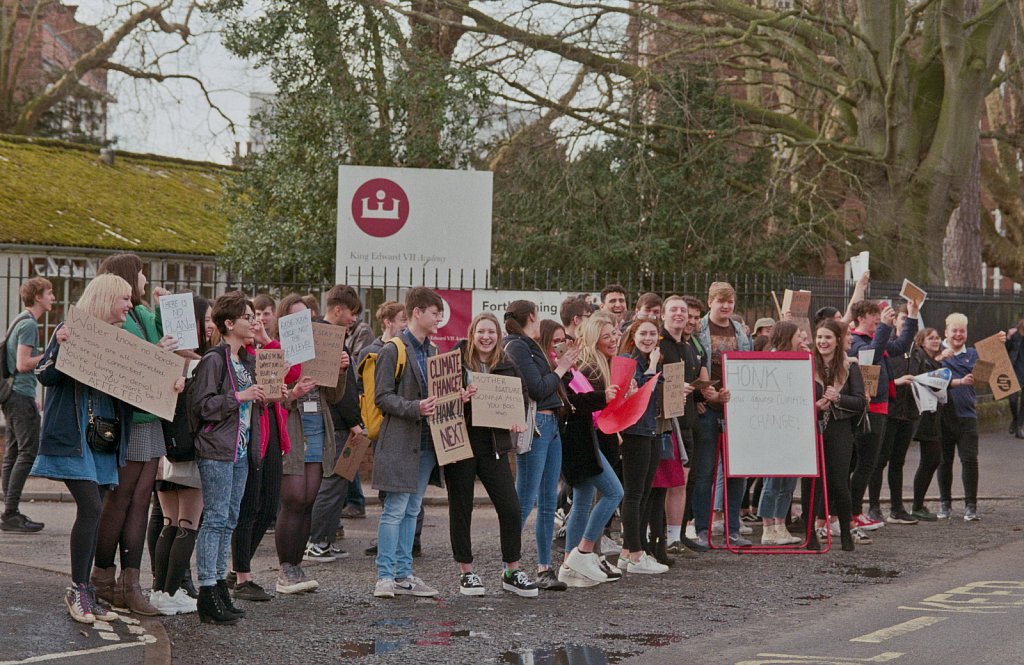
[412,227]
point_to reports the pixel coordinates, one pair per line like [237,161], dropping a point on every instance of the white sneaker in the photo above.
[745,530]
[161,602]
[571,578]
[833,527]
[691,531]
[588,565]
[647,565]
[784,537]
[414,586]
[609,546]
[181,601]
[768,536]
[383,589]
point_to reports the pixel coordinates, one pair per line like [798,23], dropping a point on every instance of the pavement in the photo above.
[705,597]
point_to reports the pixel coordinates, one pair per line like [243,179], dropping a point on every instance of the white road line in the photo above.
[885,657]
[899,629]
[73,654]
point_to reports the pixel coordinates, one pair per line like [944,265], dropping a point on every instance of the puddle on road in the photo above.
[872,572]
[584,654]
[442,638]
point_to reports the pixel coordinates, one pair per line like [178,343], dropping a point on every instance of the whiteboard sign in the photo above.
[771,424]
[178,315]
[296,334]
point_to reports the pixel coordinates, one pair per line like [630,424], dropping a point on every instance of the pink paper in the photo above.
[627,412]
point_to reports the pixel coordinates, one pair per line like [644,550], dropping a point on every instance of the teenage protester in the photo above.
[262,498]
[583,463]
[553,334]
[266,312]
[695,310]
[538,469]
[126,507]
[179,505]
[573,312]
[960,421]
[613,301]
[343,306]
[310,458]
[481,352]
[648,306]
[777,494]
[84,441]
[641,450]
[840,402]
[928,348]
[874,327]
[899,429]
[404,459]
[763,327]
[718,333]
[227,403]
[22,355]
[1015,349]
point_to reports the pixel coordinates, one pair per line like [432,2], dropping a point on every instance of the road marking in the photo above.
[992,597]
[899,629]
[110,637]
[794,659]
[74,654]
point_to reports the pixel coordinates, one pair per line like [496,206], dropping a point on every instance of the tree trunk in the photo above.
[963,235]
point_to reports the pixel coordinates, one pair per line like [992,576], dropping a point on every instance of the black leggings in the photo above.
[959,436]
[298,493]
[893,453]
[931,456]
[174,549]
[640,458]
[654,521]
[867,447]
[496,476]
[88,498]
[838,441]
[259,508]
[125,515]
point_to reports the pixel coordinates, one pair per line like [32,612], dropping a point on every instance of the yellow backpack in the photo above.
[368,409]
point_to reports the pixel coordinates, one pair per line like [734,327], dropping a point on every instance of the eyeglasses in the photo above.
[248,317]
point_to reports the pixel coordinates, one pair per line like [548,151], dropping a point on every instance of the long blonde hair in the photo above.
[470,354]
[589,336]
[102,293]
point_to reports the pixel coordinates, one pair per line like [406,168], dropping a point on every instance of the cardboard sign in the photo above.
[328,344]
[797,303]
[118,363]
[983,371]
[673,395]
[296,334]
[912,292]
[270,370]
[871,374]
[498,401]
[1003,380]
[178,316]
[448,424]
[352,456]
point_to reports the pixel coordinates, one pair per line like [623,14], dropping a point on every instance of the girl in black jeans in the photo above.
[482,353]
[928,344]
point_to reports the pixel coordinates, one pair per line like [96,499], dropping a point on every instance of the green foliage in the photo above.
[696,204]
[354,86]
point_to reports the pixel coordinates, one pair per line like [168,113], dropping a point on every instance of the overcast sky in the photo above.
[174,118]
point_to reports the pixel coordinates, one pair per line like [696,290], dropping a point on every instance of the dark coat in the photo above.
[541,381]
[579,438]
[488,440]
[215,405]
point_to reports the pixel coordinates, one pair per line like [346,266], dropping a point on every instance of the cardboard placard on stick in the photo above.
[448,424]
[498,401]
[352,456]
[271,368]
[673,391]
[913,293]
[120,364]
[296,334]
[328,344]
[797,303]
[1003,380]
[871,374]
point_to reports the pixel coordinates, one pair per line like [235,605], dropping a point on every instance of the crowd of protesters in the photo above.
[616,503]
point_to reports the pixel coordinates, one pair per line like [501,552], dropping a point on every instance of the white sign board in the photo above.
[178,316]
[296,334]
[770,418]
[412,225]
[548,302]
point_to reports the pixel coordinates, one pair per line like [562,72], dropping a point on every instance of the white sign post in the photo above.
[415,227]
[178,316]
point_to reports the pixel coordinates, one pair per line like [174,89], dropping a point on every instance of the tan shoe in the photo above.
[768,536]
[133,596]
[104,579]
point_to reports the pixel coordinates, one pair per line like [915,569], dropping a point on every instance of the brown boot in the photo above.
[103,580]
[133,595]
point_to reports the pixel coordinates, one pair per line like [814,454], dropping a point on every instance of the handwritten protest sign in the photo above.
[178,316]
[673,395]
[328,344]
[271,368]
[983,371]
[296,334]
[1003,380]
[498,401]
[448,424]
[352,456]
[913,293]
[871,374]
[797,303]
[120,364]
[859,265]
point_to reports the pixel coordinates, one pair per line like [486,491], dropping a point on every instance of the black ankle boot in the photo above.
[846,538]
[211,609]
[660,548]
[225,599]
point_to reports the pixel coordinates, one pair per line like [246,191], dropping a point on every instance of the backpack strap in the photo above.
[24,316]
[402,359]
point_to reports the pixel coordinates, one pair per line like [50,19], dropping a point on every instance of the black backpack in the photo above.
[180,433]
[6,373]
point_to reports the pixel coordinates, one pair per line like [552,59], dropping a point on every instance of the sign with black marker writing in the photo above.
[498,401]
[296,334]
[178,316]
[770,418]
[674,390]
[448,424]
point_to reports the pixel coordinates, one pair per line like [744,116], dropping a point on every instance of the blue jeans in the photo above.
[397,528]
[537,473]
[776,497]
[223,488]
[702,471]
[584,522]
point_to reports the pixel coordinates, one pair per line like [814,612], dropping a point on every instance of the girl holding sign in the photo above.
[481,352]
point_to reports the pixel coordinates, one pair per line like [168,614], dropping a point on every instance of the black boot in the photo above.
[660,548]
[846,538]
[225,599]
[211,609]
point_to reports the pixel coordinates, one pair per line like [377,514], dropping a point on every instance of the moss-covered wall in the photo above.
[54,193]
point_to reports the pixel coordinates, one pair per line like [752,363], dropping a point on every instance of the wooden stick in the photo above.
[778,307]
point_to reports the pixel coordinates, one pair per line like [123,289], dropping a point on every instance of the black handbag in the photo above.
[102,434]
